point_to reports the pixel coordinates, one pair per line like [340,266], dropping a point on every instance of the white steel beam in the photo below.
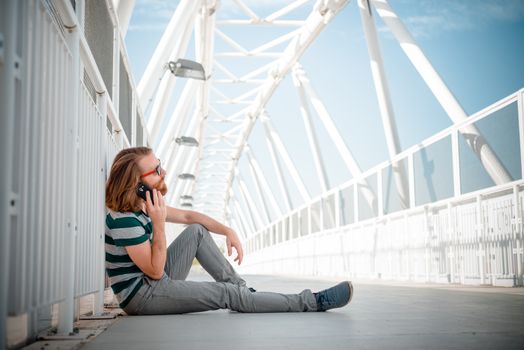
[335,135]
[257,71]
[280,23]
[155,69]
[247,10]
[282,151]
[241,224]
[328,123]
[384,100]
[260,196]
[270,54]
[230,41]
[245,218]
[204,44]
[280,175]
[247,81]
[167,85]
[181,154]
[250,202]
[225,70]
[323,13]
[250,205]
[247,208]
[181,185]
[444,96]
[310,131]
[274,42]
[242,228]
[285,10]
[124,10]
[178,119]
[263,181]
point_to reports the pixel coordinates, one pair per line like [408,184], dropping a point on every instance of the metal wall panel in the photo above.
[125,99]
[99,36]
[37,253]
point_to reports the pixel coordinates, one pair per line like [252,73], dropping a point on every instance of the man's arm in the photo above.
[188,217]
[151,258]
[180,216]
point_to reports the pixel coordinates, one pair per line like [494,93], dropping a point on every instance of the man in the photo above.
[148,277]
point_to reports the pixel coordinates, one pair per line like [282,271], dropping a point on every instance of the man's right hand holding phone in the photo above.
[157,211]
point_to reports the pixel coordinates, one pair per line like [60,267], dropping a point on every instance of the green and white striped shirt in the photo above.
[125,229]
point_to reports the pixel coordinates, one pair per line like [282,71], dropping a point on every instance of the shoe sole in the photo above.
[350,291]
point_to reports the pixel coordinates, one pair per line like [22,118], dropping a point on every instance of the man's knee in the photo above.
[197,230]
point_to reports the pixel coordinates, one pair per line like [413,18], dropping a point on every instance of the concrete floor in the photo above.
[380,316]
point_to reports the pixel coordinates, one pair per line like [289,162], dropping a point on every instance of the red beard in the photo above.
[162,187]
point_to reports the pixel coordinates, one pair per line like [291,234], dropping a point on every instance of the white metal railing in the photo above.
[473,237]
[92,133]
[62,147]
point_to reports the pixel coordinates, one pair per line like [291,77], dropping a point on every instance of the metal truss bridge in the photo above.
[446,210]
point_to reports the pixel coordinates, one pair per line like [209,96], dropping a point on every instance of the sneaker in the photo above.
[334,297]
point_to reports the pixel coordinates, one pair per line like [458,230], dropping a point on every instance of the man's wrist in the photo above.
[229,232]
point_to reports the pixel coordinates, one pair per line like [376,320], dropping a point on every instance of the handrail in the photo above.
[404,155]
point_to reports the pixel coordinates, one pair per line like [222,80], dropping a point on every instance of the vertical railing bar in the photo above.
[520,116]
[102,109]
[66,310]
[98,304]
[38,229]
[83,182]
[92,184]
[46,171]
[32,25]
[64,115]
[79,188]
[7,123]
[26,144]
[87,184]
[82,134]
[56,200]
[53,142]
[80,192]
[455,156]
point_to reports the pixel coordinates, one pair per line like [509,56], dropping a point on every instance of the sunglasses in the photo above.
[157,170]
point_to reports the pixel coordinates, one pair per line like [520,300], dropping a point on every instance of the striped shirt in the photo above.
[125,229]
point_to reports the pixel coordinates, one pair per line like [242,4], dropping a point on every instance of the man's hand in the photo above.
[232,240]
[157,212]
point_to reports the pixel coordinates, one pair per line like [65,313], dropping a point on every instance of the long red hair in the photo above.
[123,180]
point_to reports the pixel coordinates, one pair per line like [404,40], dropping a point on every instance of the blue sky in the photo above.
[476,46]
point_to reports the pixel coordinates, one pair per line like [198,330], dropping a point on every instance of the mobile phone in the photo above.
[141,191]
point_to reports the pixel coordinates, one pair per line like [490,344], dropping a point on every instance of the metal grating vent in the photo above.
[89,86]
[99,36]
[139,129]
[125,100]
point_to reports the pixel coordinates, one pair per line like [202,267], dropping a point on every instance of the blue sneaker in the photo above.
[334,297]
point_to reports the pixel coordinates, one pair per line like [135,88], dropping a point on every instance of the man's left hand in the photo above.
[232,240]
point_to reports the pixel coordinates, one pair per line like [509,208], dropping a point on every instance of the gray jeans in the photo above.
[173,295]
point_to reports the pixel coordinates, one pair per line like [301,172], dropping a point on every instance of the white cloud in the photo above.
[431,18]
[152,14]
